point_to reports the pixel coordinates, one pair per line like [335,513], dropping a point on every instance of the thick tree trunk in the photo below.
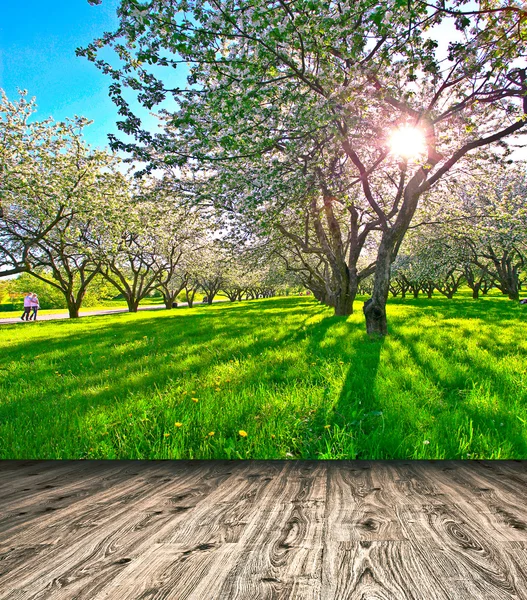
[169,300]
[132,304]
[513,283]
[344,303]
[73,310]
[347,291]
[375,308]
[74,304]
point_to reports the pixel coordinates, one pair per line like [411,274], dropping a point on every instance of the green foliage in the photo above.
[450,382]
[50,297]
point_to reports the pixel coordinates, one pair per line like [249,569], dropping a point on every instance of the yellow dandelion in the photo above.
[327,426]
[167,434]
[211,433]
[194,399]
[178,424]
[218,389]
[243,433]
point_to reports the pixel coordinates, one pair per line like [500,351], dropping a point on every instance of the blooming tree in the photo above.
[288,79]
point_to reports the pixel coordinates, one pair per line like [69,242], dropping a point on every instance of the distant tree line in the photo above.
[71,219]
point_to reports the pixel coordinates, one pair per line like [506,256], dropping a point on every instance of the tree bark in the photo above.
[375,308]
[73,310]
[132,304]
[169,300]
[344,303]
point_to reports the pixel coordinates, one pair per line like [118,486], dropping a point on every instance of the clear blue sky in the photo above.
[37,52]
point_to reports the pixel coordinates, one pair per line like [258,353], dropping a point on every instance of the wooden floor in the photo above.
[256,530]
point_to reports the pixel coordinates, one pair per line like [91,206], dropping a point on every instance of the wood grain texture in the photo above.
[263,530]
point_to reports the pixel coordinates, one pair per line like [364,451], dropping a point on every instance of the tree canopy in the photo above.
[301,99]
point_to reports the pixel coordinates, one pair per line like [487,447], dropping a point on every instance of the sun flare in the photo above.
[407,142]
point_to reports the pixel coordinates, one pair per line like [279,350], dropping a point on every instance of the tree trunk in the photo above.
[73,310]
[74,304]
[190,294]
[132,304]
[375,308]
[169,300]
[475,291]
[344,303]
[346,291]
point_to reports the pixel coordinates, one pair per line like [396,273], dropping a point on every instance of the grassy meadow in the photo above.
[276,378]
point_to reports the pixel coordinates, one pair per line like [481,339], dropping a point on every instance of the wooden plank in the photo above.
[88,548]
[481,494]
[457,549]
[280,554]
[244,530]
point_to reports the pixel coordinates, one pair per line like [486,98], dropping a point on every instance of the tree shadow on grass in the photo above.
[134,354]
[477,398]
[276,346]
[490,308]
[357,407]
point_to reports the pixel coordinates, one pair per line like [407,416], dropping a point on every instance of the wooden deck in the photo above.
[256,530]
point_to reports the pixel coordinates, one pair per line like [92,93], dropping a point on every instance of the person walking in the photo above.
[27,307]
[34,303]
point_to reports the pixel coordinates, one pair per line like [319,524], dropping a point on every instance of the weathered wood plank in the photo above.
[349,530]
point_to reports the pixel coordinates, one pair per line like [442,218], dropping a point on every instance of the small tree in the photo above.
[46,171]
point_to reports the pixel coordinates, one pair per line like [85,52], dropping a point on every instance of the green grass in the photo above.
[449,382]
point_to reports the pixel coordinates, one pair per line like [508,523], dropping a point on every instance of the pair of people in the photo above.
[31,306]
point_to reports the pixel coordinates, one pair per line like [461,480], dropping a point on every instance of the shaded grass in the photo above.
[449,382]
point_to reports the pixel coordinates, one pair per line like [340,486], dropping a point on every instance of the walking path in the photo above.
[90,313]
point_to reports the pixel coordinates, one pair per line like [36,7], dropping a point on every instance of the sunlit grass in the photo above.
[449,382]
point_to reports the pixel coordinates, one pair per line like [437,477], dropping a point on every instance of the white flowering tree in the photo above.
[493,230]
[144,240]
[290,79]
[46,173]
[54,192]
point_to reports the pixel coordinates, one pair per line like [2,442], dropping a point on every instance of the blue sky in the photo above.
[37,53]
